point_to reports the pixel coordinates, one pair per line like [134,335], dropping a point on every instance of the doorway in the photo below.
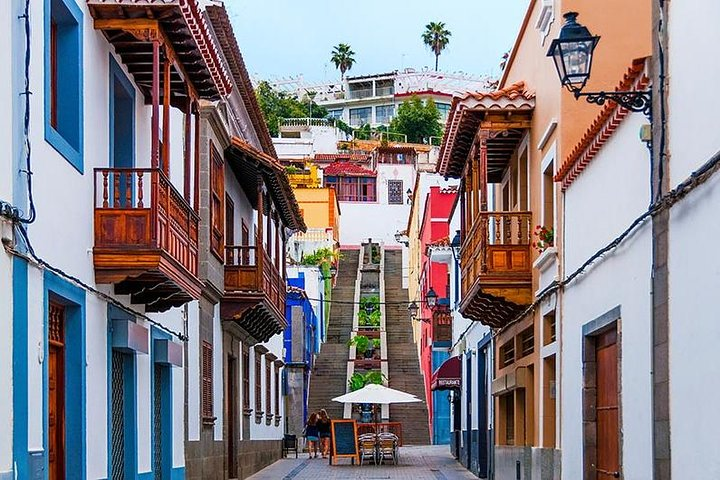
[232,399]
[162,416]
[56,391]
[122,132]
[607,406]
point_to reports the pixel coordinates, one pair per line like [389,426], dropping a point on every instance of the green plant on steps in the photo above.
[376,343]
[371,319]
[361,342]
[360,380]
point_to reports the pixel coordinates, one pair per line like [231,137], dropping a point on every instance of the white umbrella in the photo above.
[374,393]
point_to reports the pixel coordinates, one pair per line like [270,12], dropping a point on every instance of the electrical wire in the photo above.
[33,258]
[26,122]
[697,178]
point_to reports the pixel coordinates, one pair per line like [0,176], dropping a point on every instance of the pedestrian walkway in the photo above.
[416,463]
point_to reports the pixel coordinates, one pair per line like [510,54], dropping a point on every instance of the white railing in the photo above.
[384,91]
[314,235]
[306,122]
[360,93]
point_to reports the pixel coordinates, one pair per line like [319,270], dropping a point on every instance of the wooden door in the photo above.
[608,419]
[232,399]
[56,392]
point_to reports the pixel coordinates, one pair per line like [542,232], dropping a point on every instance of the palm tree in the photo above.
[436,36]
[342,57]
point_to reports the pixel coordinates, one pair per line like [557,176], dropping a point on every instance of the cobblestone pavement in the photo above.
[416,463]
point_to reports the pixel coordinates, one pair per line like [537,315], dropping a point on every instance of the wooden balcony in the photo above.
[254,292]
[146,238]
[496,267]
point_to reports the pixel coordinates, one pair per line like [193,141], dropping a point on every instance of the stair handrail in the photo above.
[347,411]
[385,409]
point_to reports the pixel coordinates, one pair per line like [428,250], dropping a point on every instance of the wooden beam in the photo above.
[155,93]
[196,180]
[166,118]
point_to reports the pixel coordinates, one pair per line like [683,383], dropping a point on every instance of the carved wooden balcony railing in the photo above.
[146,238]
[254,292]
[496,266]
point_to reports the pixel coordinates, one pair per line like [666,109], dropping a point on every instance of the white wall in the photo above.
[601,203]
[262,431]
[378,220]
[694,278]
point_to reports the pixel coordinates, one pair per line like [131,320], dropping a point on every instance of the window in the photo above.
[246,378]
[277,390]
[217,187]
[549,332]
[258,383]
[384,113]
[360,116]
[507,354]
[245,243]
[229,228]
[527,341]
[268,386]
[444,109]
[63,80]
[395,192]
[353,189]
[207,382]
[548,197]
[507,407]
[335,113]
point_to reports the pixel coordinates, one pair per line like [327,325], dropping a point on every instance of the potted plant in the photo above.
[362,346]
[358,381]
[376,348]
[545,238]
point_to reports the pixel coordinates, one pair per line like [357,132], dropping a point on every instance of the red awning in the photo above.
[448,375]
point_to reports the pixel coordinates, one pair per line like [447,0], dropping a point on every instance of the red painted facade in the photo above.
[434,229]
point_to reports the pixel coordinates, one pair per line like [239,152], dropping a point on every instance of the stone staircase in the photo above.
[329,377]
[403,365]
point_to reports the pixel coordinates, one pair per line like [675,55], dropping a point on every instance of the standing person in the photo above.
[312,435]
[323,425]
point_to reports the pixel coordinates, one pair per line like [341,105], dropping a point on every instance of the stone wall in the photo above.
[254,455]
[534,463]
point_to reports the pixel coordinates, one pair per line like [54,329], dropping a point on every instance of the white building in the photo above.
[607,310]
[693,265]
[109,317]
[374,99]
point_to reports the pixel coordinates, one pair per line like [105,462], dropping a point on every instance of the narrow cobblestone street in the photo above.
[416,463]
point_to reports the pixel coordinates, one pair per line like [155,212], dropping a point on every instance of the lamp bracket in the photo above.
[640,102]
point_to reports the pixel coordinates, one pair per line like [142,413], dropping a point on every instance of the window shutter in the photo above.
[217,209]
[207,382]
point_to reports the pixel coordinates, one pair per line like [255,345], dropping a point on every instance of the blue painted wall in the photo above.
[441,404]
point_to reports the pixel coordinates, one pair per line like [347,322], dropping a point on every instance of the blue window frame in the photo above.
[64,79]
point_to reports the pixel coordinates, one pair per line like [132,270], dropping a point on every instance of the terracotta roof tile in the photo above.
[347,169]
[512,97]
[331,157]
[226,38]
[602,128]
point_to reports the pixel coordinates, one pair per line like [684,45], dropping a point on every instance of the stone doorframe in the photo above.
[591,330]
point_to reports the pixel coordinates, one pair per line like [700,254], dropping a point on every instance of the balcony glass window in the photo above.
[384,113]
[63,80]
[353,189]
[444,109]
[335,113]
[360,116]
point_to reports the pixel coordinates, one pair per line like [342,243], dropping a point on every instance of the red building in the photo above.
[436,328]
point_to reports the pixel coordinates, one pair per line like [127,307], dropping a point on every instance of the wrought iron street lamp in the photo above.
[413,309]
[455,245]
[431,298]
[572,53]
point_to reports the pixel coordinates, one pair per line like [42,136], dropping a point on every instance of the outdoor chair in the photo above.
[388,447]
[290,443]
[367,443]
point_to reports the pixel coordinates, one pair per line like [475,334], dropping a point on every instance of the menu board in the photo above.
[344,440]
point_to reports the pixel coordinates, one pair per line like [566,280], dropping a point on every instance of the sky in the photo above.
[286,38]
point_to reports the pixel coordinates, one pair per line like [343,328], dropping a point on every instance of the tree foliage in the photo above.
[342,57]
[417,119]
[436,37]
[276,105]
